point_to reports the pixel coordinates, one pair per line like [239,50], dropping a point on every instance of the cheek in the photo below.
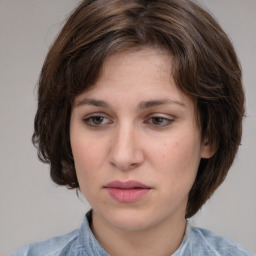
[86,158]
[178,158]
[176,148]
[86,168]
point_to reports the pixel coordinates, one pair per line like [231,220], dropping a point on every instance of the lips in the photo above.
[127,192]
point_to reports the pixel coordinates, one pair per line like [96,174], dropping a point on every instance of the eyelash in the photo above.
[90,121]
[167,121]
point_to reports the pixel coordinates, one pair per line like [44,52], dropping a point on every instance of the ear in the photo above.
[207,148]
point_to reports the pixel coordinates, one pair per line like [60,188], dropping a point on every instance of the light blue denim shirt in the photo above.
[196,242]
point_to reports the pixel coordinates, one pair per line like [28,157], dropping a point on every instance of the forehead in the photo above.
[144,58]
[142,72]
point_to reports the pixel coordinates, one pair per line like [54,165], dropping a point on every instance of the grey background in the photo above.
[32,208]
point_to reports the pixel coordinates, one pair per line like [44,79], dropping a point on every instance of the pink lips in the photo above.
[127,192]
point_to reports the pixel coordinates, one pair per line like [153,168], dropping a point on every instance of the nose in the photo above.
[126,152]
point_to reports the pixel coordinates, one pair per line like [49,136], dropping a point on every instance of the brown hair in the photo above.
[205,68]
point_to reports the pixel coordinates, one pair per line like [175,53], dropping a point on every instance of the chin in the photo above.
[130,220]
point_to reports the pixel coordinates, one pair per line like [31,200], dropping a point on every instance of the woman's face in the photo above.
[136,142]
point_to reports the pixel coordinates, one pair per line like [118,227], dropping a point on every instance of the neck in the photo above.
[162,239]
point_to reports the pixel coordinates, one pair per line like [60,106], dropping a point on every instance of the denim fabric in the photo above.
[196,242]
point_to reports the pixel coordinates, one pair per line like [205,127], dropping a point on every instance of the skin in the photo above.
[126,139]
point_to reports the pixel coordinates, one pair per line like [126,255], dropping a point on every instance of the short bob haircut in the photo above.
[205,68]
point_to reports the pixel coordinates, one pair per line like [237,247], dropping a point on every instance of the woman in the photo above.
[140,107]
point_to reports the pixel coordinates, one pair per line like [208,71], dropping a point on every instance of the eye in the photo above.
[96,120]
[160,121]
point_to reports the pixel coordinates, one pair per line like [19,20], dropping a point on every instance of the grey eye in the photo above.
[96,120]
[160,121]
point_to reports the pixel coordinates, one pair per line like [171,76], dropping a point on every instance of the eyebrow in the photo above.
[155,103]
[141,106]
[93,102]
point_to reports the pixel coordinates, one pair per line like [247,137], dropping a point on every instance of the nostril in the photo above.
[125,167]
[126,152]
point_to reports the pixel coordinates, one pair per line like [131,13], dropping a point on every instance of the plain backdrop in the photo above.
[32,208]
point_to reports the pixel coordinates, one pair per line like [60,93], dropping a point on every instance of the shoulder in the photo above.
[212,244]
[56,246]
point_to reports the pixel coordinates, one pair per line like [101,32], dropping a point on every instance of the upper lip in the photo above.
[131,184]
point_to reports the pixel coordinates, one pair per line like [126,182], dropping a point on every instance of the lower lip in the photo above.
[127,195]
